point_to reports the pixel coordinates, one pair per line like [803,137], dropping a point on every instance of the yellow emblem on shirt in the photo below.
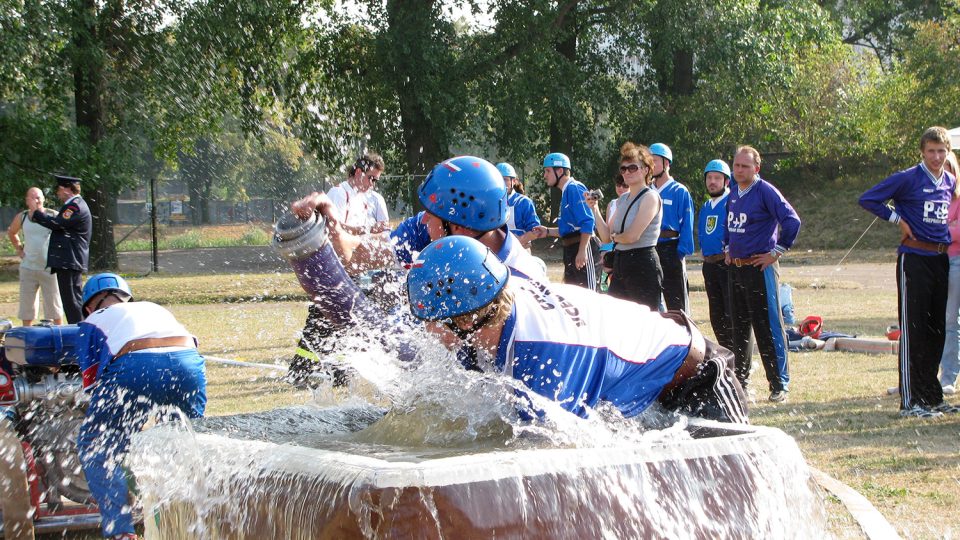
[67,213]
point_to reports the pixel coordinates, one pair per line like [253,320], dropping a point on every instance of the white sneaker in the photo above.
[949,390]
[919,412]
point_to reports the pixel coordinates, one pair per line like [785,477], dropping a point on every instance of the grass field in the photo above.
[838,410]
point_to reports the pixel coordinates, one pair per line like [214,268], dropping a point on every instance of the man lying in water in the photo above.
[567,343]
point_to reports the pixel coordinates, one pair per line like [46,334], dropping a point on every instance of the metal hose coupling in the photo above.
[297,239]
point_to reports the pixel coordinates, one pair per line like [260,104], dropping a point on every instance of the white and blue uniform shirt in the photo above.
[411,237]
[711,224]
[677,215]
[575,215]
[521,214]
[106,331]
[919,198]
[753,217]
[576,347]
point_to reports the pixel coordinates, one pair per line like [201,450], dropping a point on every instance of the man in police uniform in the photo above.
[69,249]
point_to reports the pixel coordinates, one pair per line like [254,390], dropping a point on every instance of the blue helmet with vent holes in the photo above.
[453,276]
[467,191]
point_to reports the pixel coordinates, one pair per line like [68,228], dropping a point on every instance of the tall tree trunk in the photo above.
[682,73]
[411,23]
[561,117]
[88,88]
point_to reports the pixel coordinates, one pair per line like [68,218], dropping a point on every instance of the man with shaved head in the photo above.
[31,242]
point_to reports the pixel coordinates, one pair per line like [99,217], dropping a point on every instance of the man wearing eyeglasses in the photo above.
[361,209]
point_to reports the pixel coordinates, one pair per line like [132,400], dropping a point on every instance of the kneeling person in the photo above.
[567,343]
[135,357]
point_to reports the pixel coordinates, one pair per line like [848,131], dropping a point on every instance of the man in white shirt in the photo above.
[361,209]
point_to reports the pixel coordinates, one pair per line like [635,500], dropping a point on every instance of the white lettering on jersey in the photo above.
[935,212]
[737,223]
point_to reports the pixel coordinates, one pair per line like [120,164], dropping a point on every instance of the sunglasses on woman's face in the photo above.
[633,167]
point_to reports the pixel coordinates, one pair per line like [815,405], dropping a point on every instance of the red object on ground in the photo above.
[893,332]
[811,326]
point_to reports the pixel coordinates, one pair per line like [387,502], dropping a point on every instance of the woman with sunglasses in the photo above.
[634,231]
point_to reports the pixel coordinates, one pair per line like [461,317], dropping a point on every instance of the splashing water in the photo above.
[443,454]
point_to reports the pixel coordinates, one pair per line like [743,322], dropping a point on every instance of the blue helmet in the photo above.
[106,281]
[506,170]
[717,165]
[454,275]
[662,150]
[466,191]
[556,159]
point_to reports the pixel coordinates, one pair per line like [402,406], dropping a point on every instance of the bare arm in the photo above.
[648,209]
[13,233]
[357,253]
[602,227]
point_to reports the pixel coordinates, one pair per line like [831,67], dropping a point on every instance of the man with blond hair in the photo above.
[921,201]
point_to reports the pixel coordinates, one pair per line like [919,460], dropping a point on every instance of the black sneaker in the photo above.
[919,412]
[778,396]
[945,408]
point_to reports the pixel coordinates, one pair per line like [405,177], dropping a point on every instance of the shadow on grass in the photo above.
[868,425]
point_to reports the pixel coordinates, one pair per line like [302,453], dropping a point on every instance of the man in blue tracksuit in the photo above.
[755,212]
[575,224]
[676,229]
[135,358]
[921,198]
[568,344]
[711,225]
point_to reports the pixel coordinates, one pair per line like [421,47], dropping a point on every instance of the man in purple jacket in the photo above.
[753,245]
[921,200]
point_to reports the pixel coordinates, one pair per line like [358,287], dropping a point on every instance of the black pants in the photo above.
[637,276]
[675,284]
[70,284]
[714,392]
[922,299]
[717,285]
[755,303]
[589,275]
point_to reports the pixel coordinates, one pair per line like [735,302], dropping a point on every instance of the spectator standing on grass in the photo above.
[35,280]
[636,226]
[575,224]
[69,250]
[676,229]
[761,227]
[522,218]
[921,197]
[950,361]
[710,226]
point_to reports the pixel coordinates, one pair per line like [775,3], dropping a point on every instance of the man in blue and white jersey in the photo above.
[921,198]
[710,226]
[676,229]
[134,357]
[761,227]
[575,224]
[568,344]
